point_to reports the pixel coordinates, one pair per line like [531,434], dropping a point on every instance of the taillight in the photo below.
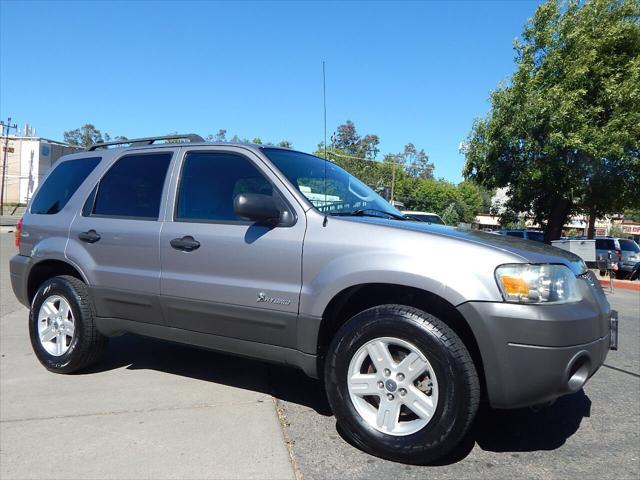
[18,232]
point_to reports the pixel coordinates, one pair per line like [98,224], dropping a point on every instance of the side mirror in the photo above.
[256,207]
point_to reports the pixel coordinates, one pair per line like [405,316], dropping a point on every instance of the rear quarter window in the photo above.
[61,184]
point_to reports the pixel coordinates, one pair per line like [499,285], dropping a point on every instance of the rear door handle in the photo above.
[90,237]
[186,243]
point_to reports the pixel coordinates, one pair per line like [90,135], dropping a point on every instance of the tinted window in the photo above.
[535,236]
[605,244]
[61,184]
[210,182]
[629,246]
[516,234]
[133,187]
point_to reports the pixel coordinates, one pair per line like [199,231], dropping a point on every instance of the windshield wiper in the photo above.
[362,212]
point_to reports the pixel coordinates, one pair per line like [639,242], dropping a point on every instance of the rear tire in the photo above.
[62,328]
[449,384]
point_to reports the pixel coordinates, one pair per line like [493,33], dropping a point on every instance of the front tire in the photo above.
[401,384]
[62,329]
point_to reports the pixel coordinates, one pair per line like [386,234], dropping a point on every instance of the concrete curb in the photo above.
[622,284]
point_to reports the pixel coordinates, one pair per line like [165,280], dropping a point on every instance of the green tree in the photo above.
[285,144]
[84,136]
[450,215]
[416,162]
[562,135]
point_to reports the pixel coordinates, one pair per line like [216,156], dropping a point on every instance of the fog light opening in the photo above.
[578,373]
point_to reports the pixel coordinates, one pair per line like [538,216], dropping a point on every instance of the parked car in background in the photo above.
[623,251]
[526,234]
[423,217]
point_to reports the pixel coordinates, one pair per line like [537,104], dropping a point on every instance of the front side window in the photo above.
[132,188]
[61,184]
[328,187]
[209,183]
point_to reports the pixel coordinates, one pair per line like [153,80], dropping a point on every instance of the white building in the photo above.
[29,159]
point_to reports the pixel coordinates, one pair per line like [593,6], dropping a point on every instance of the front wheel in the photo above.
[401,383]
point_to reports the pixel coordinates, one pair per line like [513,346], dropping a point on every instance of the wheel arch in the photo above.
[358,298]
[46,269]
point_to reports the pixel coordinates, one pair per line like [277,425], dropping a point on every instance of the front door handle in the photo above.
[186,243]
[90,237]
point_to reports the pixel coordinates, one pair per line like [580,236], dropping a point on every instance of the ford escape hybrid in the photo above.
[279,255]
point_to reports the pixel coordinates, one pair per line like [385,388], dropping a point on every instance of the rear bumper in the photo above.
[535,354]
[19,267]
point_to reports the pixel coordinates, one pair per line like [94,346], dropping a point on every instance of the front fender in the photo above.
[391,268]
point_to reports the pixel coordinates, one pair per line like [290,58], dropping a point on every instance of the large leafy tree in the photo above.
[85,136]
[564,134]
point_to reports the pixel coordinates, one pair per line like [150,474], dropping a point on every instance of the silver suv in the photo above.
[282,256]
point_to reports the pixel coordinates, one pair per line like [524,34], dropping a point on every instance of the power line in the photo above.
[6,127]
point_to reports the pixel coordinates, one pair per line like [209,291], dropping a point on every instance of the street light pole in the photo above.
[5,127]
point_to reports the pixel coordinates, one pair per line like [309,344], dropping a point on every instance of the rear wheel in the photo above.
[62,328]
[401,383]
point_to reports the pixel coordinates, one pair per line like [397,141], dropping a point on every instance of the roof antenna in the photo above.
[324,102]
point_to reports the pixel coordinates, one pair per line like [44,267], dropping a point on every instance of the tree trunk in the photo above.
[557,217]
[591,231]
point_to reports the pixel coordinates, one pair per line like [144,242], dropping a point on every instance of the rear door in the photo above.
[115,237]
[242,280]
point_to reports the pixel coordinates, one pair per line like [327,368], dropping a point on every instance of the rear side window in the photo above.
[61,184]
[605,244]
[210,182]
[536,236]
[132,188]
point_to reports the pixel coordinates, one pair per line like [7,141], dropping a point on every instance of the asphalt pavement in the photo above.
[594,433]
[153,409]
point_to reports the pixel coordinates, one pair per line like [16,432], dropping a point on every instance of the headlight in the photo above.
[525,283]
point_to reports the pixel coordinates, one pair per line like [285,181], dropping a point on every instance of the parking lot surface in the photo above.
[152,409]
[594,433]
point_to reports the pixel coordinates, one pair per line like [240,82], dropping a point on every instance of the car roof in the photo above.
[116,151]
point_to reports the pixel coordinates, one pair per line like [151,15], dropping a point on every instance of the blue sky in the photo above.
[408,72]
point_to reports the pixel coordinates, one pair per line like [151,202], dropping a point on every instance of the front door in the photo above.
[116,237]
[221,274]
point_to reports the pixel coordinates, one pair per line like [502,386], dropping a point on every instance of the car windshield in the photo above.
[629,246]
[337,193]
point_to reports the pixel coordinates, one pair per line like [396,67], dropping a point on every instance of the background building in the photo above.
[29,159]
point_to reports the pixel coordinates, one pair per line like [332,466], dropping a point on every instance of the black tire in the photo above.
[87,344]
[458,384]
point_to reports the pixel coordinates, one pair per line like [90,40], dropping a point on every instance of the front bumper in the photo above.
[533,354]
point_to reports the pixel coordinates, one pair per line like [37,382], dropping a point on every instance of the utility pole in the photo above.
[5,129]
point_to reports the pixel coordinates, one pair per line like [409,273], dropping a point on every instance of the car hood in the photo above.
[528,250]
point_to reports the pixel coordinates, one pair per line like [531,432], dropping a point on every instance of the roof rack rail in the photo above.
[136,142]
